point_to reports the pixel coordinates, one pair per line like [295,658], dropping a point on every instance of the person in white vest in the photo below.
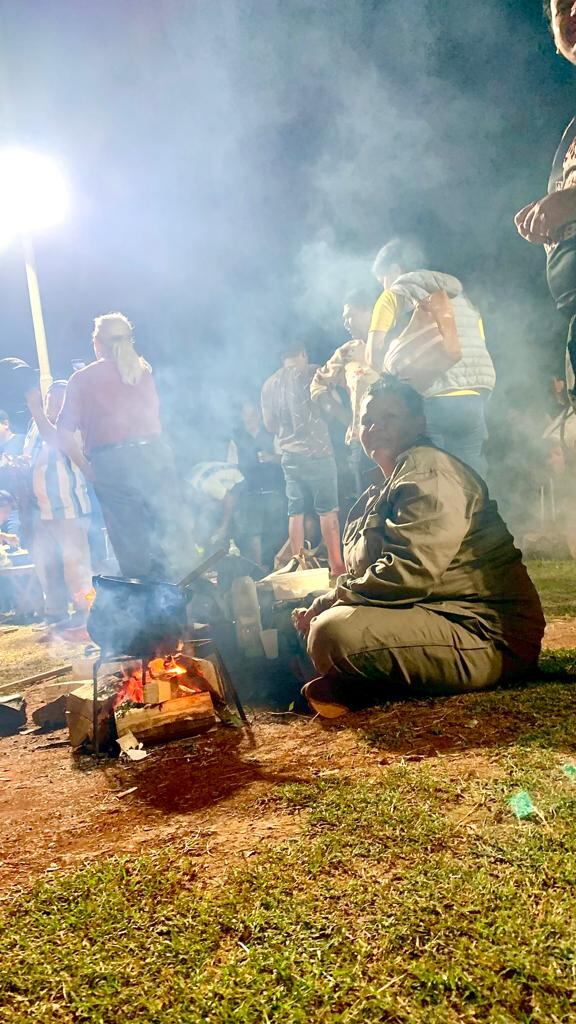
[454,403]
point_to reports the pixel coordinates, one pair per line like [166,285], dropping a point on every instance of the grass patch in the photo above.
[395,906]
[415,897]
[556,584]
[533,716]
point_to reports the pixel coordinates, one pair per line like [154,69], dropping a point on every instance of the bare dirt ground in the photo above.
[214,794]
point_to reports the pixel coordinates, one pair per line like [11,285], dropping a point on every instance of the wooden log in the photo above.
[157,690]
[51,715]
[79,707]
[174,719]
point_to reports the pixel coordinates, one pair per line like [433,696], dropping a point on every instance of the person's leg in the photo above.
[248,525]
[291,467]
[73,538]
[330,530]
[458,426]
[48,565]
[274,525]
[125,510]
[366,655]
[322,478]
[296,533]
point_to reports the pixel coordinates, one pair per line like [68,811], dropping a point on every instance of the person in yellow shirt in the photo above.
[455,402]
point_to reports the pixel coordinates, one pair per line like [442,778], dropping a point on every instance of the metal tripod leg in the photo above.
[229,685]
[95,741]
[226,677]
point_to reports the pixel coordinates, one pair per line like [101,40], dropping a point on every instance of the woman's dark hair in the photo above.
[390,384]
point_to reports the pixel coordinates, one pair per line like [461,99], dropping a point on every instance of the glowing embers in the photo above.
[166,679]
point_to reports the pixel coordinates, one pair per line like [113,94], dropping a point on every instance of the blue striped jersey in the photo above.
[59,486]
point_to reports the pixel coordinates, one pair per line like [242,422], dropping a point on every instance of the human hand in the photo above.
[302,618]
[11,539]
[542,221]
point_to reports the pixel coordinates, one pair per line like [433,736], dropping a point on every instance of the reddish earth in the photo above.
[212,794]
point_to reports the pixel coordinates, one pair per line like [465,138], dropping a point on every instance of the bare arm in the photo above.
[376,348]
[269,416]
[69,444]
[326,378]
[384,317]
[65,441]
[542,221]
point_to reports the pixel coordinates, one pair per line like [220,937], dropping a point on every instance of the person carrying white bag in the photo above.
[425,331]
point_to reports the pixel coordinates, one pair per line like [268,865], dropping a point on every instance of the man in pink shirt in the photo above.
[112,403]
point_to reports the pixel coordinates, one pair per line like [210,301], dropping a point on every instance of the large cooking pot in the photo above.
[136,617]
[142,617]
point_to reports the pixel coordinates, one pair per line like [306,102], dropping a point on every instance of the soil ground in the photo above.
[59,810]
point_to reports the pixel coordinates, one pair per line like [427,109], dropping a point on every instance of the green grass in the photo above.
[556,584]
[412,897]
[416,897]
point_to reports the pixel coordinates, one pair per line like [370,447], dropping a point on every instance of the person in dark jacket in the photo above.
[435,598]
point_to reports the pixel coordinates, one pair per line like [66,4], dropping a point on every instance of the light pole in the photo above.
[33,196]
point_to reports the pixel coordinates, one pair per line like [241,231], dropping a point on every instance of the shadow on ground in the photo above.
[541,713]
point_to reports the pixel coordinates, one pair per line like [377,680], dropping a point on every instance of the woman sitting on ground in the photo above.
[436,599]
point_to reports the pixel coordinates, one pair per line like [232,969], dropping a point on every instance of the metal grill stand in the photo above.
[108,657]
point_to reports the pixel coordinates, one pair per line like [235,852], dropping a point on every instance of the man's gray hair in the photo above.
[130,365]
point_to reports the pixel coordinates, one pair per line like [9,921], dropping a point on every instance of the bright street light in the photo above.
[33,193]
[33,196]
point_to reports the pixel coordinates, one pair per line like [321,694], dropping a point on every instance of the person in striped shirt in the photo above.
[61,550]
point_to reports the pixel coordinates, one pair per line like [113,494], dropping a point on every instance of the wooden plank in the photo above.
[157,690]
[39,677]
[79,706]
[174,719]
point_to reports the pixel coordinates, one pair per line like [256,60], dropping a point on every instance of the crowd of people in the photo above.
[430,594]
[95,447]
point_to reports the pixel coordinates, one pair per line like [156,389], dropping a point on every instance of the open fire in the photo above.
[166,679]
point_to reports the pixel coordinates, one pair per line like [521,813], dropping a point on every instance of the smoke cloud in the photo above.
[237,164]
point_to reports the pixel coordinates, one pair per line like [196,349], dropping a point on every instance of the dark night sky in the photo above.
[235,165]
